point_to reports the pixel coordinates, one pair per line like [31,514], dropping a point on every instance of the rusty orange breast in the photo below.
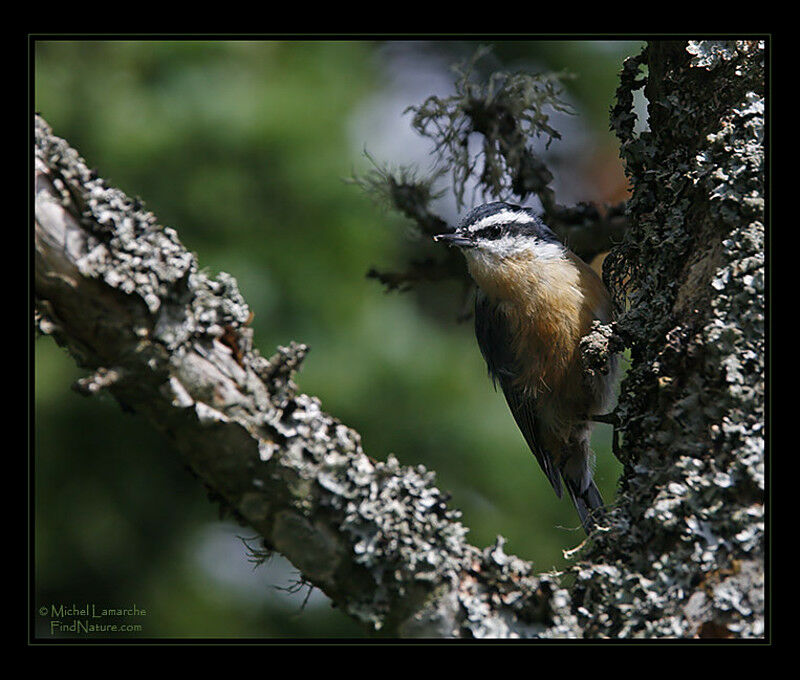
[550,304]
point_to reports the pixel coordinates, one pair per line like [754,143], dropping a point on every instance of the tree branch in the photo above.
[126,299]
[682,554]
[507,112]
[687,556]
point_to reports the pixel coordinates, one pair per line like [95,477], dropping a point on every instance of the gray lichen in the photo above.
[708,54]
[508,111]
[121,293]
[684,551]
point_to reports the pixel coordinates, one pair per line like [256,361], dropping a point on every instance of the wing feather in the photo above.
[495,342]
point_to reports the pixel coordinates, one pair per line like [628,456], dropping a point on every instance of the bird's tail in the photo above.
[588,503]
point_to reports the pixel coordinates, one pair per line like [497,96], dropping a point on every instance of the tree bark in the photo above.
[682,554]
[685,554]
[125,298]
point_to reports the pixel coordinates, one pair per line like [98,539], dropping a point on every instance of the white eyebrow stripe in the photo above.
[501,217]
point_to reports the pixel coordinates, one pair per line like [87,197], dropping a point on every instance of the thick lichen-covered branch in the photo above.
[128,301]
[684,555]
[682,551]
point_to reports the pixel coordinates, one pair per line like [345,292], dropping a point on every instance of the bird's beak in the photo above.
[455,239]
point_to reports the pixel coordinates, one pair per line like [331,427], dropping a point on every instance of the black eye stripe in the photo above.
[505,220]
[493,231]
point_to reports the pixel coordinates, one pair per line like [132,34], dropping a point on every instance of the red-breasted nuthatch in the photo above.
[536,300]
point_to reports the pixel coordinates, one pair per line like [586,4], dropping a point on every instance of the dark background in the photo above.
[243,147]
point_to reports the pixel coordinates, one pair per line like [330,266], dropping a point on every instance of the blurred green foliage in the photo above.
[242,146]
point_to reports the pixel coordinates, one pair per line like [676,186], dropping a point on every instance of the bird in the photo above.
[535,301]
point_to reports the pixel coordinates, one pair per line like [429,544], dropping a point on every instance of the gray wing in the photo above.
[494,340]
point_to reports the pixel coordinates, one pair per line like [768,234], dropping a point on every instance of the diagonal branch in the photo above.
[127,300]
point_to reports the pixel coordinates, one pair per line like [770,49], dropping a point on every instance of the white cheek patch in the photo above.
[510,246]
[488,261]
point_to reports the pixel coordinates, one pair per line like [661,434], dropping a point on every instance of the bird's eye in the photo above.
[493,231]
